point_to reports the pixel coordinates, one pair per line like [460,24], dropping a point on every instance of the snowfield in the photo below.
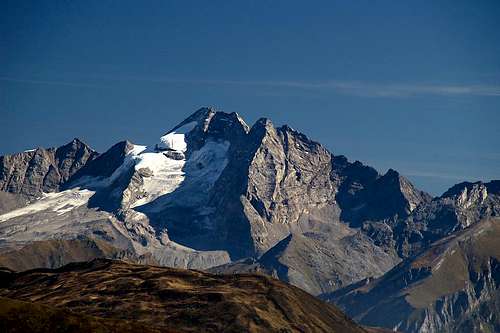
[60,203]
[164,170]
[176,140]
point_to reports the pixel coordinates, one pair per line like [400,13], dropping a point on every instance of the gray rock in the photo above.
[11,201]
[458,208]
[43,170]
[104,164]
[318,264]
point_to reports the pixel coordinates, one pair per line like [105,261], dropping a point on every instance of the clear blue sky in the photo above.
[412,86]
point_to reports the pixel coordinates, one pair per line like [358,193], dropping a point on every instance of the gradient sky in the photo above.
[415,87]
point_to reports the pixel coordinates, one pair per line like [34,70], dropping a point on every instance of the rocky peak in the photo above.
[410,196]
[75,144]
[355,175]
[471,201]
[299,141]
[458,208]
[261,127]
[476,195]
[106,163]
[202,117]
[72,157]
[264,137]
[467,194]
[43,170]
[204,125]
[365,195]
[226,126]
[207,117]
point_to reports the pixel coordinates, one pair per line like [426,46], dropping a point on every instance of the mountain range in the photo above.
[216,194]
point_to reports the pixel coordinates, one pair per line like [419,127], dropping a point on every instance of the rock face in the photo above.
[448,280]
[453,286]
[103,165]
[368,197]
[278,183]
[458,208]
[165,299]
[316,263]
[42,170]
[11,201]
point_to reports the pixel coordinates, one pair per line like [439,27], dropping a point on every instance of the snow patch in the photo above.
[61,202]
[208,162]
[191,179]
[137,150]
[167,175]
[164,170]
[175,140]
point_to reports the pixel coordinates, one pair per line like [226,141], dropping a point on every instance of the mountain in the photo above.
[209,192]
[452,286]
[101,293]
[40,170]
[461,206]
[214,193]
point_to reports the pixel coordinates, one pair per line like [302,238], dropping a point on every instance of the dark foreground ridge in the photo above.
[107,296]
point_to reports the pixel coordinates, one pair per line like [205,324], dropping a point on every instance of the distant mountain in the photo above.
[214,193]
[458,208]
[453,286]
[102,293]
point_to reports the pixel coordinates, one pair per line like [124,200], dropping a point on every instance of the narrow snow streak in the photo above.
[60,202]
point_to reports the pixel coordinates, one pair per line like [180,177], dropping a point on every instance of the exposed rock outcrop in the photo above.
[43,170]
[458,208]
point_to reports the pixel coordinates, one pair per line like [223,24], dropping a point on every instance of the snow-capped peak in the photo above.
[175,140]
[165,166]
